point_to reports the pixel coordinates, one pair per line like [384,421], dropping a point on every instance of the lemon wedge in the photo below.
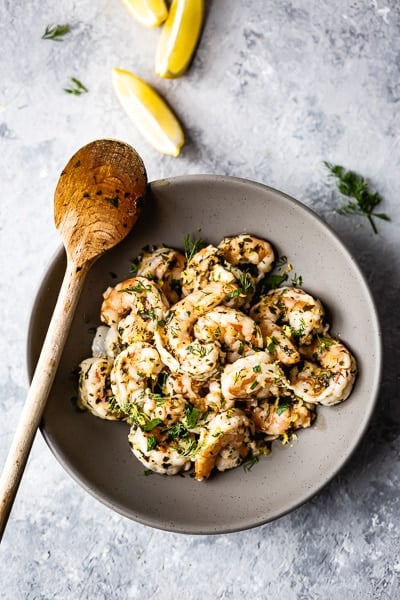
[149,112]
[179,37]
[150,13]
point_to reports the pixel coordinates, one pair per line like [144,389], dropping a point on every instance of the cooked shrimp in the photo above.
[205,266]
[159,453]
[95,392]
[256,256]
[140,302]
[164,266]
[178,349]
[327,380]
[293,307]
[237,333]
[254,376]
[134,369]
[275,420]
[229,428]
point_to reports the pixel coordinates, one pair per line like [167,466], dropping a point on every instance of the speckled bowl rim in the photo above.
[245,523]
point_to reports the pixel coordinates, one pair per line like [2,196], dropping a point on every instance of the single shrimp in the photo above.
[94,391]
[134,369]
[157,452]
[237,333]
[254,376]
[277,419]
[164,266]
[254,255]
[135,306]
[180,352]
[205,266]
[328,377]
[230,428]
[298,312]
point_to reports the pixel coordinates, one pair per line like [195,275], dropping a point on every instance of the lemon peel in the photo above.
[179,37]
[149,13]
[149,112]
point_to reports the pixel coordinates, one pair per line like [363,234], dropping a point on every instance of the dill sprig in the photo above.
[77,88]
[192,246]
[56,32]
[354,186]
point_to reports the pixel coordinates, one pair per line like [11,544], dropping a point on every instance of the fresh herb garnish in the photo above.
[192,246]
[283,406]
[152,424]
[56,32]
[354,186]
[77,88]
[248,465]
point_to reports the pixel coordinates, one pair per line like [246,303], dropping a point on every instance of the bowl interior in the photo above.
[96,453]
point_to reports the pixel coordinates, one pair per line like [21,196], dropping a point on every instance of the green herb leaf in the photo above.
[354,186]
[152,424]
[283,406]
[56,32]
[192,246]
[192,417]
[151,443]
[77,88]
[248,465]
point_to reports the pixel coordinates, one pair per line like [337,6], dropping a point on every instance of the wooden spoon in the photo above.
[97,201]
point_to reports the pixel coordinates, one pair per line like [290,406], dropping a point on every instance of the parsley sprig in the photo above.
[354,186]
[56,32]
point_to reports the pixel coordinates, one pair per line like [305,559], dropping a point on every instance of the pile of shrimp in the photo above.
[205,369]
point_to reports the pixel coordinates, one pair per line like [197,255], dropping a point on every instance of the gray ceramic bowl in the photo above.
[96,452]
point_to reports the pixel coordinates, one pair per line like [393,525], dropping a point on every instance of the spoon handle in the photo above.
[40,388]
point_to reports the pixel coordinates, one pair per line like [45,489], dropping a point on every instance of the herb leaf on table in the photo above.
[352,185]
[56,32]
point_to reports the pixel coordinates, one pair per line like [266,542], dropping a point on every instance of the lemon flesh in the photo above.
[179,37]
[149,13]
[149,112]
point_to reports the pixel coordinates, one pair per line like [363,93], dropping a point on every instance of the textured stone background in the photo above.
[276,87]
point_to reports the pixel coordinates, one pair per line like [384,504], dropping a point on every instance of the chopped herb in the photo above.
[92,330]
[56,32]
[254,385]
[192,246]
[282,260]
[192,417]
[271,343]
[77,88]
[283,406]
[113,201]
[152,424]
[248,465]
[134,266]
[245,283]
[233,294]
[257,368]
[354,186]
[273,281]
[297,280]
[147,472]
[151,443]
